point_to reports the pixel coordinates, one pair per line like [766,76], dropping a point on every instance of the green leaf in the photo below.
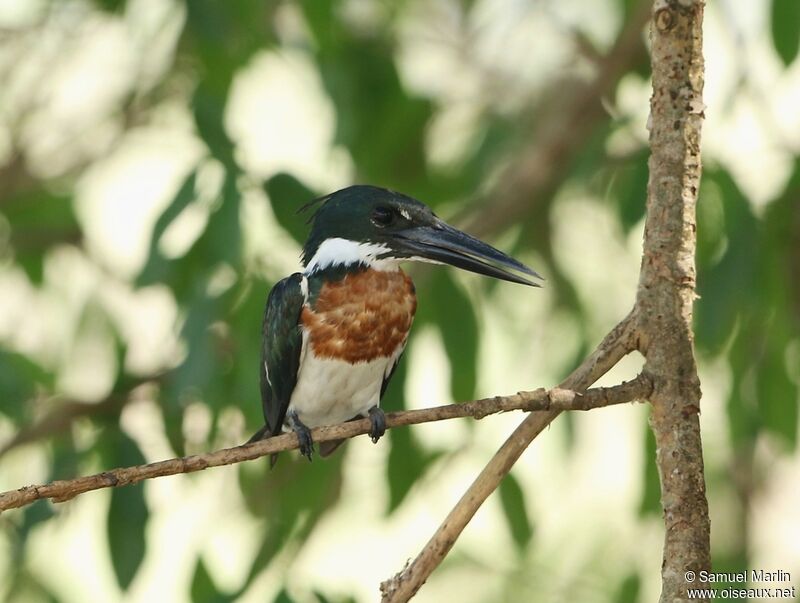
[785,20]
[651,494]
[127,518]
[20,378]
[26,586]
[407,459]
[111,6]
[407,462]
[726,288]
[323,599]
[224,231]
[711,212]
[629,589]
[66,459]
[287,195]
[283,597]
[203,372]
[33,515]
[39,220]
[777,392]
[777,320]
[745,299]
[199,366]
[292,498]
[241,381]
[513,501]
[157,267]
[208,109]
[629,7]
[455,317]
[203,589]
[220,243]
[743,417]
[225,35]
[630,190]
[173,427]
[191,379]
[382,126]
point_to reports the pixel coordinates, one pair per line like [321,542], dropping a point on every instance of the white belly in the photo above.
[330,391]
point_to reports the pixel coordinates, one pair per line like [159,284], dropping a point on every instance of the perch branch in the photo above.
[553,400]
[618,343]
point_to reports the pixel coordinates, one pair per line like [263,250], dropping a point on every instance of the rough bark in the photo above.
[667,287]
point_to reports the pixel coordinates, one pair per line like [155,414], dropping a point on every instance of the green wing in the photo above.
[281,349]
[388,377]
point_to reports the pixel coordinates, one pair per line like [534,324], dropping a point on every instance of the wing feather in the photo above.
[282,348]
[390,372]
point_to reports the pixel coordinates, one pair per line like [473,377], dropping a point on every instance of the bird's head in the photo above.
[380,228]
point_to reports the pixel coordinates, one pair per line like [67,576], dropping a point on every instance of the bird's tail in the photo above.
[263,434]
[327,448]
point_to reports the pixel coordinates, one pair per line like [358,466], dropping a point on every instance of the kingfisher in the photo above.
[334,333]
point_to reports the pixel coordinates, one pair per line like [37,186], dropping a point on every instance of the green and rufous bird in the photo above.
[334,333]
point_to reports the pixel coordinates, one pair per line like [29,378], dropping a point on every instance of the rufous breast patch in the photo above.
[363,316]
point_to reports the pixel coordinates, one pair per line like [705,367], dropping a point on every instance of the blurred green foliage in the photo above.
[748,314]
[785,19]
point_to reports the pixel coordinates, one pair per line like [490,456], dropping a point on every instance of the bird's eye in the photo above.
[382,216]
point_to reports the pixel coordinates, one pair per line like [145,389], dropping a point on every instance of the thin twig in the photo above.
[618,343]
[554,400]
[58,420]
[63,414]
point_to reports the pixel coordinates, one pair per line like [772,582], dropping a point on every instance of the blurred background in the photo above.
[152,156]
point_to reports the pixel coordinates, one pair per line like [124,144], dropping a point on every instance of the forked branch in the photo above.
[618,343]
[660,326]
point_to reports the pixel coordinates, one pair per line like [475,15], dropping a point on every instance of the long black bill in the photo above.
[447,245]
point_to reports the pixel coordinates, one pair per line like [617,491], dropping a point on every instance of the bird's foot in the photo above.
[303,434]
[378,420]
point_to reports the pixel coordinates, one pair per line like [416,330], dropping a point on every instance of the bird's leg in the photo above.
[378,420]
[303,434]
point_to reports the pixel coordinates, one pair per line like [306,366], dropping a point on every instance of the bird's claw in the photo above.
[306,443]
[303,434]
[378,420]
